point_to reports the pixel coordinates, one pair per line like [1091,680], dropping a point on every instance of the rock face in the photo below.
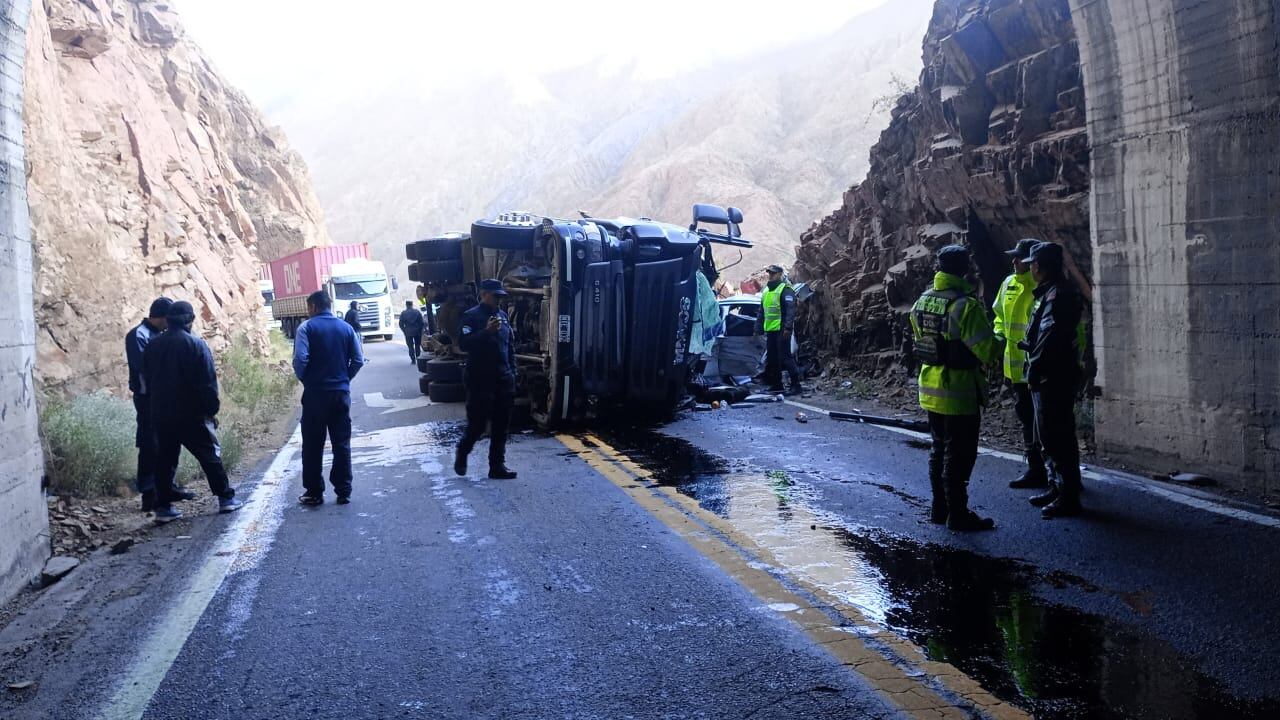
[989,148]
[147,175]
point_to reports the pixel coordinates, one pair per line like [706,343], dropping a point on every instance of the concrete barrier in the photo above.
[1183,110]
[24,523]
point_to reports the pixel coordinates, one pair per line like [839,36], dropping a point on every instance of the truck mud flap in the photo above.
[658,333]
[601,334]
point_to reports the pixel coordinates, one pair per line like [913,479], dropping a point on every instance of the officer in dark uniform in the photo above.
[135,344]
[353,317]
[490,379]
[183,386]
[1053,375]
[777,322]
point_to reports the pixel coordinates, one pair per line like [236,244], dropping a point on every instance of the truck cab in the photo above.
[602,309]
[366,282]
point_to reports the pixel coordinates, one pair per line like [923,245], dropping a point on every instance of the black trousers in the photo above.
[1026,411]
[951,459]
[197,435]
[145,440]
[778,358]
[326,413]
[1055,408]
[415,344]
[488,404]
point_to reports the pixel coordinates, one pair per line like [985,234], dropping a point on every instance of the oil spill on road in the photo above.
[983,615]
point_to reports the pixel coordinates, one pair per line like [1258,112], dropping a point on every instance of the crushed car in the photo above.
[610,315]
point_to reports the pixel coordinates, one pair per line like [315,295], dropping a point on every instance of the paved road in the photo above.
[733,564]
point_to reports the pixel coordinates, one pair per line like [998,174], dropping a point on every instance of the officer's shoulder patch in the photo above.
[466,329]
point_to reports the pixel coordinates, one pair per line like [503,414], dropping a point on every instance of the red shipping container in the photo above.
[305,271]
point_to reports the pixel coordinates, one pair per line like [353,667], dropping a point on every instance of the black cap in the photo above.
[954,259]
[160,307]
[1022,250]
[181,313]
[493,286]
[1047,254]
[774,268]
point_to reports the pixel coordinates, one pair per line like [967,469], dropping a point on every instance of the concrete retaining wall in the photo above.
[1183,100]
[24,542]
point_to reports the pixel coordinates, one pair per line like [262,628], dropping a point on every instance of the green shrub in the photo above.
[91,444]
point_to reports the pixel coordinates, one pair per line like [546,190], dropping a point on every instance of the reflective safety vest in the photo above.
[1013,308]
[771,302]
[957,327]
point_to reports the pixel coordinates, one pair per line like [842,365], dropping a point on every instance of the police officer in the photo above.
[1053,375]
[777,322]
[183,387]
[326,356]
[488,340]
[411,322]
[1013,307]
[953,341]
[135,344]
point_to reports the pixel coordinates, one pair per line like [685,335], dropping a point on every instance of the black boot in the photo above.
[1045,498]
[969,522]
[460,461]
[1031,479]
[148,501]
[501,472]
[1065,506]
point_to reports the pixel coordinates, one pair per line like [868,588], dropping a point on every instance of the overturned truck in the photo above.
[604,310]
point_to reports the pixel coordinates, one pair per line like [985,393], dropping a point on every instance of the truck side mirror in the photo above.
[395,284]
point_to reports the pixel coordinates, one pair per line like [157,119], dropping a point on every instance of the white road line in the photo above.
[161,648]
[1189,498]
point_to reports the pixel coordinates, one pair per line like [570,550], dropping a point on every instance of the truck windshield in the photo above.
[355,289]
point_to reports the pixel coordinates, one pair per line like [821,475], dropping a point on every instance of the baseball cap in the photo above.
[1023,249]
[493,286]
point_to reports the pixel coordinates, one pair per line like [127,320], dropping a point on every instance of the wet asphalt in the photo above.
[557,595]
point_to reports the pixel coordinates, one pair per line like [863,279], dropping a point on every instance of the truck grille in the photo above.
[368,313]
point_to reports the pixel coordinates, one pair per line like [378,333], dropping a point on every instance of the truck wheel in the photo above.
[442,392]
[435,249]
[498,236]
[422,363]
[437,271]
[444,371]
[423,384]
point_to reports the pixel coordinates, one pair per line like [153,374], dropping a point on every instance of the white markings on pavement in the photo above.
[1190,498]
[394,405]
[241,546]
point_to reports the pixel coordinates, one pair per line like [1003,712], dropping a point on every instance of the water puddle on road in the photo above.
[980,614]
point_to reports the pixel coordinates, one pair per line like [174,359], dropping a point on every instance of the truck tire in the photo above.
[437,271]
[423,384]
[435,249]
[442,392]
[498,236]
[423,359]
[444,371]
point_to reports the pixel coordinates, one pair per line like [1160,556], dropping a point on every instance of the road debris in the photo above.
[57,568]
[21,685]
[802,418]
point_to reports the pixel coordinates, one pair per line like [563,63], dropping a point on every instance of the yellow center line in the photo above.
[885,661]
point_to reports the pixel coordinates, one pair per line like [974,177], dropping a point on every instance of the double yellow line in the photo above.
[896,668]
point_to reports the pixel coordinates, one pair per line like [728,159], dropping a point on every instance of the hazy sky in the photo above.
[280,51]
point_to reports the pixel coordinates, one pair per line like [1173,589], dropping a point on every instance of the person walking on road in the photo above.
[777,322]
[411,322]
[953,341]
[326,356]
[1013,306]
[135,346]
[490,379]
[1053,375]
[182,384]
[352,317]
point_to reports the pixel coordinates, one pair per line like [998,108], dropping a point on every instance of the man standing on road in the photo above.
[1053,374]
[777,322]
[1013,307]
[135,345]
[352,317]
[953,340]
[183,386]
[326,356]
[490,379]
[411,322]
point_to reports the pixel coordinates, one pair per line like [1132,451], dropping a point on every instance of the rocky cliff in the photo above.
[147,175]
[989,148]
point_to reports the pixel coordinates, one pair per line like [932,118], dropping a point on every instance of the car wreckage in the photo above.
[610,315]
